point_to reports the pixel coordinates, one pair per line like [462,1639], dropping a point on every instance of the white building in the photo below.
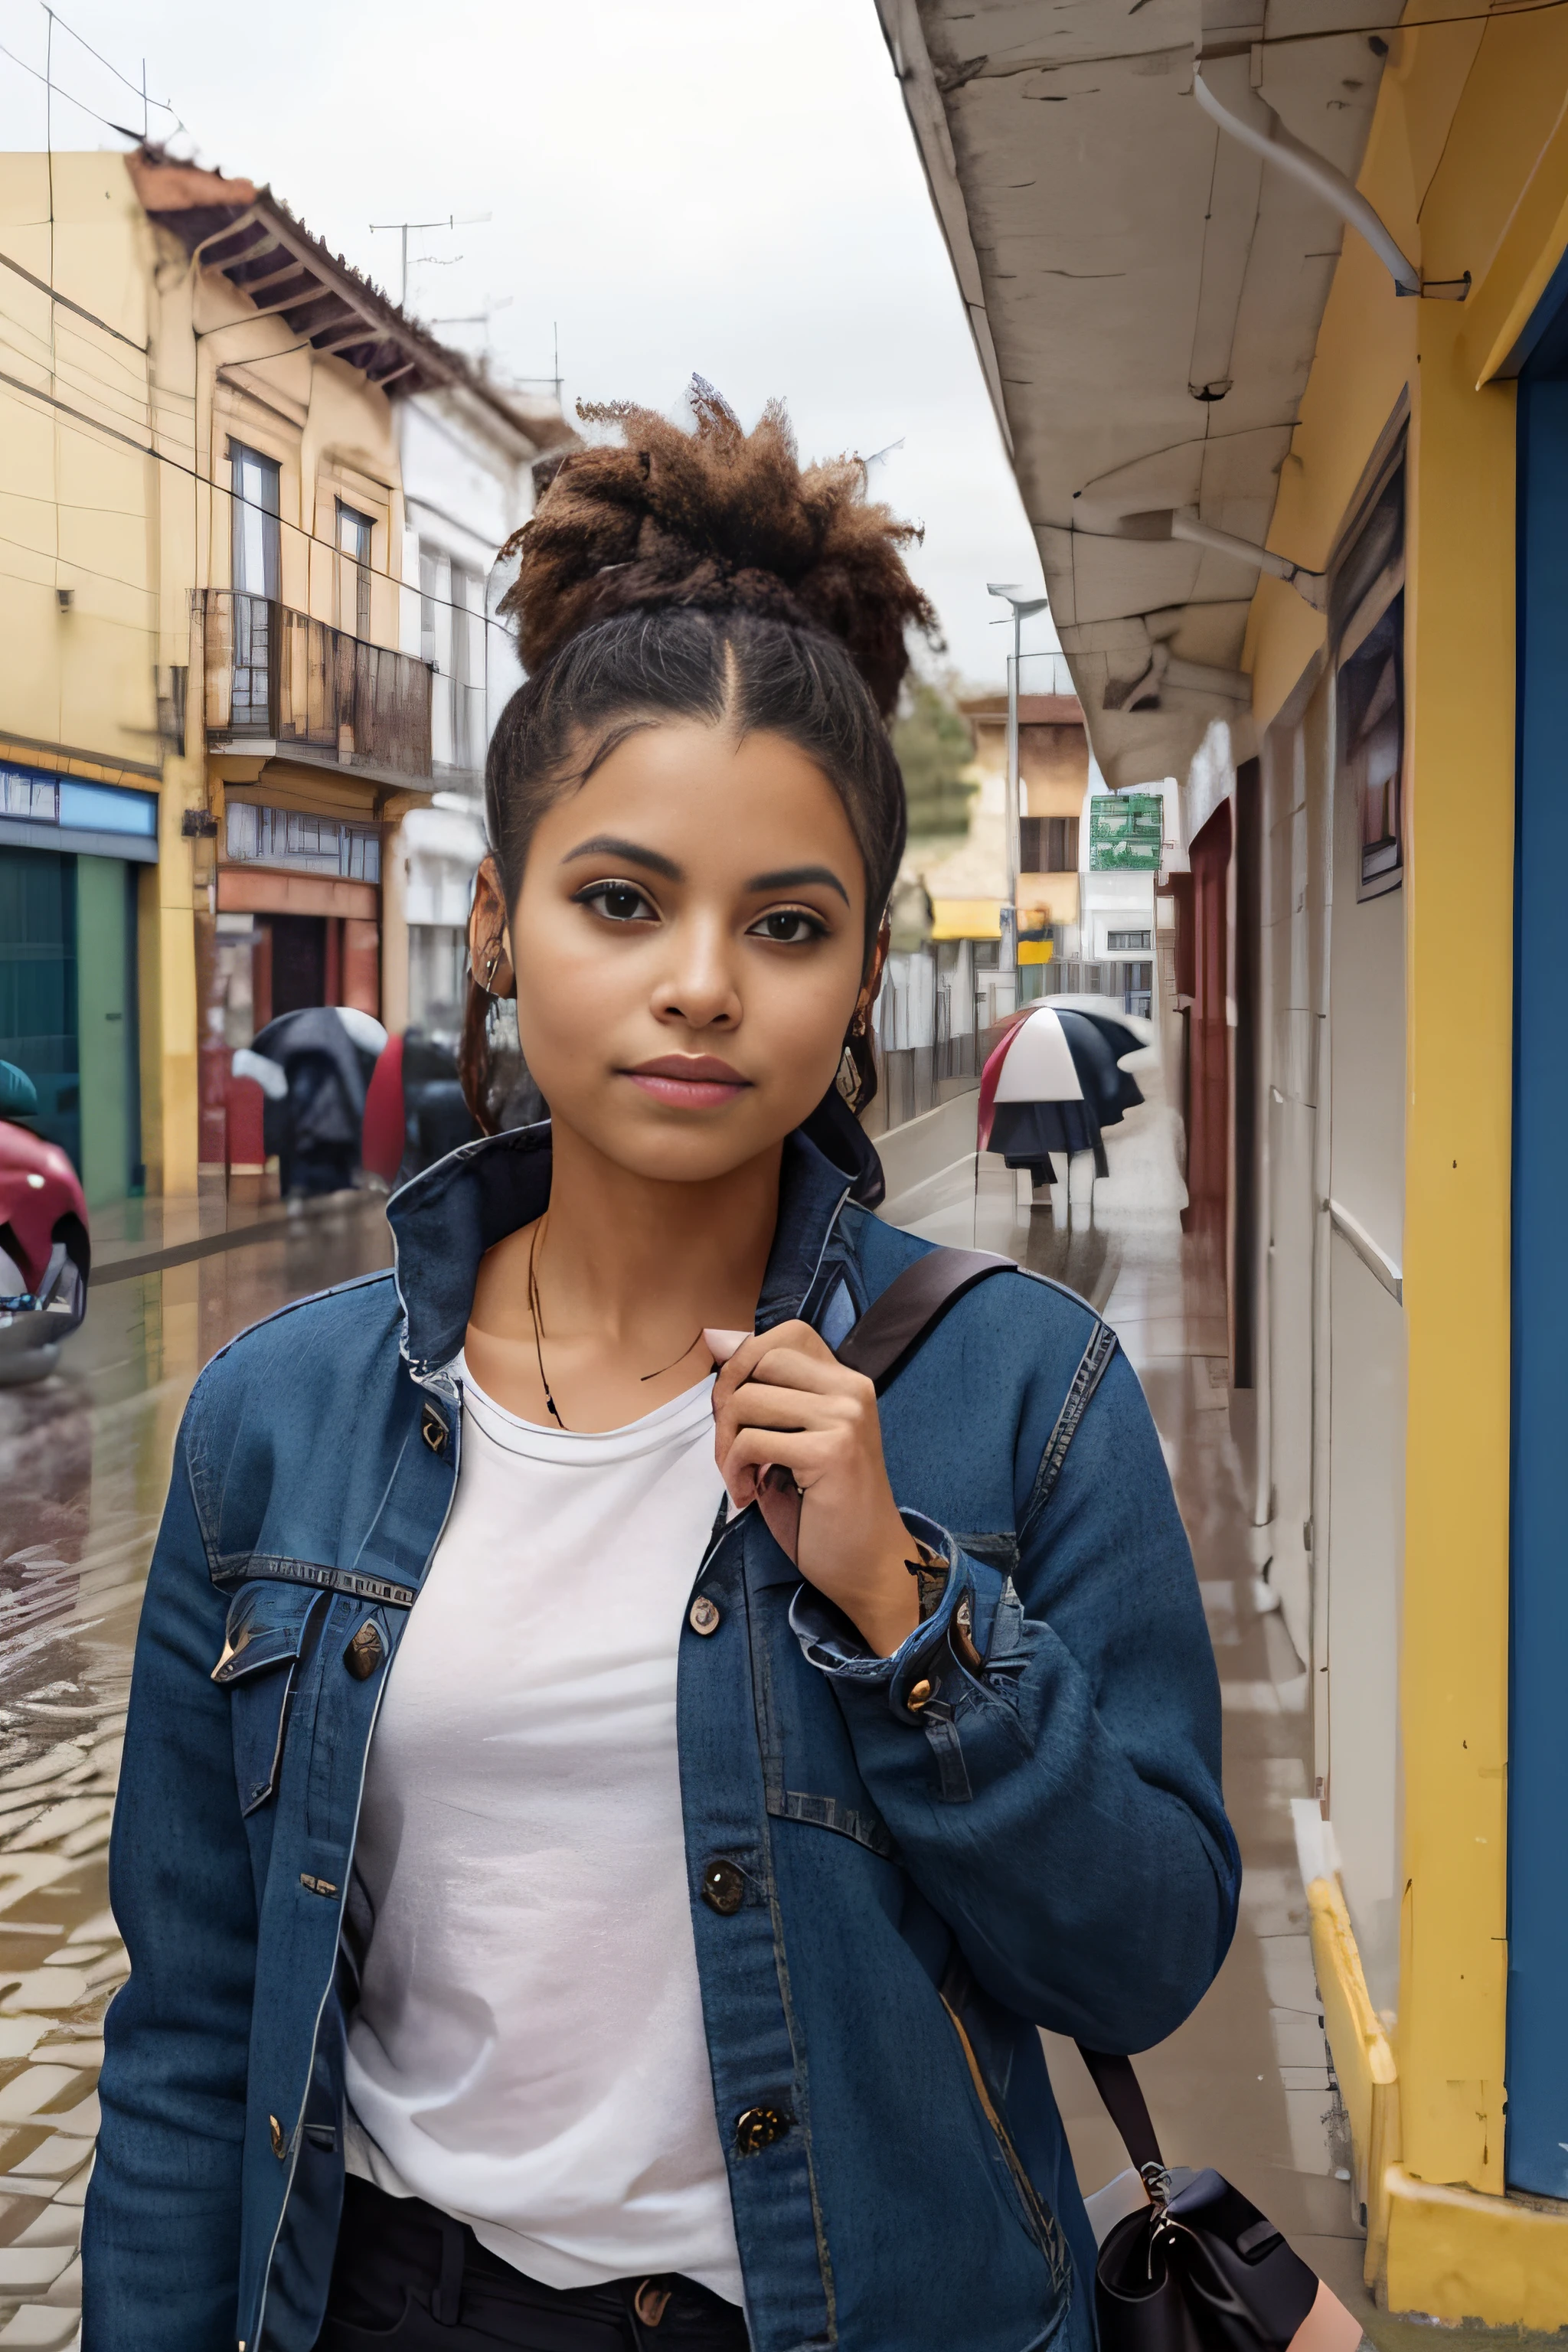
[467,452]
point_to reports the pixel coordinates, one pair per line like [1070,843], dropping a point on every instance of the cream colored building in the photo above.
[211,710]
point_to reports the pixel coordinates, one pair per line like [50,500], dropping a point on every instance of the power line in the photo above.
[136,90]
[76,419]
[51,86]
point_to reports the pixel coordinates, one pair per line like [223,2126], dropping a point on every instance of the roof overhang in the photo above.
[250,236]
[1145,295]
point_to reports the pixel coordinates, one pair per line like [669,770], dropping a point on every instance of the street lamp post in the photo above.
[1023,606]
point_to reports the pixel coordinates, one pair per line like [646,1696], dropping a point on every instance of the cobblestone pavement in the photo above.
[84,1460]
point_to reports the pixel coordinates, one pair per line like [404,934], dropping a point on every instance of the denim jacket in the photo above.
[916,1888]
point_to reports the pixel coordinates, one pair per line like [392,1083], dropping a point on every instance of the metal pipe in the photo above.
[1163,522]
[1008,951]
[1261,130]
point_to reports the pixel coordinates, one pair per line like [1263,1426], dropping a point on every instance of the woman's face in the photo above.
[688,942]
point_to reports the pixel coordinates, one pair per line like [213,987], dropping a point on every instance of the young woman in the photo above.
[654,1927]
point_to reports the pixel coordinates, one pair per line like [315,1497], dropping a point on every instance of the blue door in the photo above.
[38,985]
[1537,2138]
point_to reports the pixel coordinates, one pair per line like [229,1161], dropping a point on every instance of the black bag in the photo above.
[1199,2268]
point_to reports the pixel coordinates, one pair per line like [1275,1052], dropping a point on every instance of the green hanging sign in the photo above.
[1126,833]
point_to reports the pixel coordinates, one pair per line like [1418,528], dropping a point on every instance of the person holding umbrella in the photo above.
[314,1066]
[1054,1083]
[561,1915]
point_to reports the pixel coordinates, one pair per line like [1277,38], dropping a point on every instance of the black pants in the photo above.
[411,2278]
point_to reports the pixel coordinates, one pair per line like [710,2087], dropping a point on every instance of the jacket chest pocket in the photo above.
[267,1639]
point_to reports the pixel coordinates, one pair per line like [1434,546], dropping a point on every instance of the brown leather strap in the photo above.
[912,1305]
[1119,2088]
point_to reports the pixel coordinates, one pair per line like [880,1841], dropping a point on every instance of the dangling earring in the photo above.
[490,971]
[850,1081]
[847,1081]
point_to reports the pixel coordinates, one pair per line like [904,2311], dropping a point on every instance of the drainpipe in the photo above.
[1167,522]
[1246,116]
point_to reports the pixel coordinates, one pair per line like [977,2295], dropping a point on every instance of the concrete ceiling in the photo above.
[1120,258]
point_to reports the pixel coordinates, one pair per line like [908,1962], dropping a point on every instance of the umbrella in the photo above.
[327,1053]
[1052,1084]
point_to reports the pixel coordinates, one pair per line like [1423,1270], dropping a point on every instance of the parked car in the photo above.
[45,1253]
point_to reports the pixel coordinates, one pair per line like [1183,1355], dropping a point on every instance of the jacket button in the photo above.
[920,1692]
[433,1430]
[278,2140]
[724,1888]
[364,1653]
[758,2129]
[703,1615]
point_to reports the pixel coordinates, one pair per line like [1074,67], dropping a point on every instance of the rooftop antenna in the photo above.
[555,380]
[453,220]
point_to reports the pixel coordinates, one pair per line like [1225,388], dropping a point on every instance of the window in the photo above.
[354,532]
[256,483]
[25,793]
[468,746]
[1127,943]
[1366,617]
[1371,734]
[1048,845]
[429,595]
[312,845]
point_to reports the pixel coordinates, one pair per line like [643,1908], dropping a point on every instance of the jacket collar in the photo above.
[445,1220]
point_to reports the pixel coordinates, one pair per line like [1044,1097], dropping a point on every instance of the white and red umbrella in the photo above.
[1053,1083]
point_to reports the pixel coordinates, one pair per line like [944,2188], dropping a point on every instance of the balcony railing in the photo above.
[276,675]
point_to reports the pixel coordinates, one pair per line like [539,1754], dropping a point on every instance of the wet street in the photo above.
[83,1462]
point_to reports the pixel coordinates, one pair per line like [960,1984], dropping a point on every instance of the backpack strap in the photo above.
[912,1307]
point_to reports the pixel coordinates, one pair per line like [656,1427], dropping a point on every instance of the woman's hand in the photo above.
[783,1396]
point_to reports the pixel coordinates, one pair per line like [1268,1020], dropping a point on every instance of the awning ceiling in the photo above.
[1145,296]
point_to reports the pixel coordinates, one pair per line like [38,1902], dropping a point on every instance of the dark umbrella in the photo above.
[1052,1084]
[315,1126]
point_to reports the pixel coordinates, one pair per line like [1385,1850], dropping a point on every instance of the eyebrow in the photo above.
[610,845]
[787,877]
[796,877]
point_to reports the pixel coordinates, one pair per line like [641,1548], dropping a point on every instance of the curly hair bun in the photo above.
[716,519]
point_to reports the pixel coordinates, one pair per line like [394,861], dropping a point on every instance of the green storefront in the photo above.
[71,853]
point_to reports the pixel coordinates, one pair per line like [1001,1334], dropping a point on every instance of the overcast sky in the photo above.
[728,186]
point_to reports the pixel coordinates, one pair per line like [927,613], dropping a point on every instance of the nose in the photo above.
[699,987]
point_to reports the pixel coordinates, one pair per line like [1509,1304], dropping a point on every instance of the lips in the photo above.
[689,1081]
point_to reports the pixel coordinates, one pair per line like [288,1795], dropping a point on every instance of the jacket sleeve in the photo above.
[1057,1797]
[160,2237]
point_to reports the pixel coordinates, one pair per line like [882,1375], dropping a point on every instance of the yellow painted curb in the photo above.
[1364,2062]
[1455,2254]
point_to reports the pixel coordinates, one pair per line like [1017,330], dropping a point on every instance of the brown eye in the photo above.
[618,902]
[790,927]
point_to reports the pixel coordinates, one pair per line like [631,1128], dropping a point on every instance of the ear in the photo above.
[489,938]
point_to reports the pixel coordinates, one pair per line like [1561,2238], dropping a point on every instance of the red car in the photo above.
[44,1255]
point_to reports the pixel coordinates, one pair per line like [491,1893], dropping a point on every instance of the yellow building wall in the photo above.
[86,508]
[1469,165]
[114,485]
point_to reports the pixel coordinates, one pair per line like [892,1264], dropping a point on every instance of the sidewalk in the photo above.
[145,1237]
[1246,2084]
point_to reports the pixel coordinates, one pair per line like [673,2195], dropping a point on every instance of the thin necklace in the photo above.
[537,1314]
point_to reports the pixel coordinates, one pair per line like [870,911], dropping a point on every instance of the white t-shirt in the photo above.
[528,2052]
